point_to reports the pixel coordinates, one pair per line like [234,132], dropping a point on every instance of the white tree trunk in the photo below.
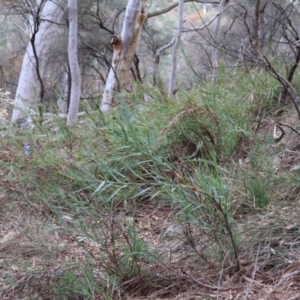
[27,94]
[73,62]
[124,50]
[124,46]
[175,49]
[62,101]
[214,53]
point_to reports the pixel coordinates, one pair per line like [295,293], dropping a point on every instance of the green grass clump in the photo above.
[185,156]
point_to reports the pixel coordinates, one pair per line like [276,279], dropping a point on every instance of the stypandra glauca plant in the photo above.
[202,192]
[206,210]
[171,162]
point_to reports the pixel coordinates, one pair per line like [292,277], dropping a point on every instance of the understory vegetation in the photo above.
[185,197]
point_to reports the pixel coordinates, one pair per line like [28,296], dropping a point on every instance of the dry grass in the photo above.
[51,254]
[36,252]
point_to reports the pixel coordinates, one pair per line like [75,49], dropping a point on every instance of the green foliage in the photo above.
[75,284]
[256,189]
[182,154]
[207,204]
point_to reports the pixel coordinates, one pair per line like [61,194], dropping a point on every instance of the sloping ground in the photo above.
[37,252]
[147,250]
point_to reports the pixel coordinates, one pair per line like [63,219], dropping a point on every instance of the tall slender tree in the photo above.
[73,63]
[214,53]
[47,14]
[175,50]
[124,50]
[125,46]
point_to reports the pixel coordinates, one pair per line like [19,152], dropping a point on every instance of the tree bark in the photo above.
[29,88]
[258,25]
[124,50]
[73,63]
[125,45]
[64,91]
[214,53]
[175,50]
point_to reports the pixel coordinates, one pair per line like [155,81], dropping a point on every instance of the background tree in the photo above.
[73,63]
[124,50]
[30,91]
[125,46]
[214,53]
[266,41]
[251,34]
[175,49]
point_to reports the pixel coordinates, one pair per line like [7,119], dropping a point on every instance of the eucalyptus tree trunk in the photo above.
[175,50]
[29,88]
[63,102]
[258,24]
[125,45]
[214,53]
[124,51]
[73,63]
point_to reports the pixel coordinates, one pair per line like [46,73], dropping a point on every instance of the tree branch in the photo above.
[208,23]
[157,57]
[167,9]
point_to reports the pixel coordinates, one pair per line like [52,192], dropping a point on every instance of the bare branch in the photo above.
[208,23]
[172,6]
[157,57]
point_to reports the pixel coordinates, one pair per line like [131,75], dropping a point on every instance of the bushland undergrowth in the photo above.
[149,200]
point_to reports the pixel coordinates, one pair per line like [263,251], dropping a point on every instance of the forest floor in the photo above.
[57,241]
[37,252]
